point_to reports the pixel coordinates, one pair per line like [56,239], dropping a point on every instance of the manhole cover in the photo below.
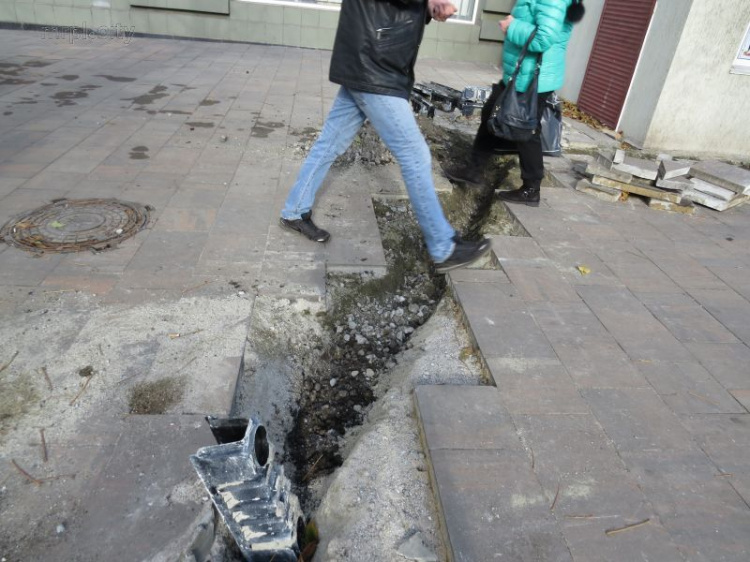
[73,225]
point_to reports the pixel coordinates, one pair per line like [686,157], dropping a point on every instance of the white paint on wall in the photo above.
[703,108]
[579,49]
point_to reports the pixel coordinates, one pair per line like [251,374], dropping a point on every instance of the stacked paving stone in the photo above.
[718,185]
[667,184]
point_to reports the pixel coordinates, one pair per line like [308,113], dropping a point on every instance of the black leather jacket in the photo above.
[376,45]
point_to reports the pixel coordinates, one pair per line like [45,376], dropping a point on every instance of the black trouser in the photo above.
[529,152]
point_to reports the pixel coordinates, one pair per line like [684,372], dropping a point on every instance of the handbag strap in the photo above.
[522,56]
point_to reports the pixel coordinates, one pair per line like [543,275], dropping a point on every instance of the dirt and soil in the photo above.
[334,382]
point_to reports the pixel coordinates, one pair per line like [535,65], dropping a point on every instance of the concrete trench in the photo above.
[312,370]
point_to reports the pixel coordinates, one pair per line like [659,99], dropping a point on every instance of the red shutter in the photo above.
[618,43]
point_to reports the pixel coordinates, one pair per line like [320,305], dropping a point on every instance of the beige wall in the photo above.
[703,109]
[656,59]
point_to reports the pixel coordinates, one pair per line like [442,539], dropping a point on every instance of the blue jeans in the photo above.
[394,121]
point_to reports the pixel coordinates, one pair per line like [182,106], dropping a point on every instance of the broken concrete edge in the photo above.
[685,207]
[603,193]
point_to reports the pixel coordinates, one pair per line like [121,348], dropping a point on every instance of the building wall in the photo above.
[703,109]
[579,49]
[657,57]
[300,25]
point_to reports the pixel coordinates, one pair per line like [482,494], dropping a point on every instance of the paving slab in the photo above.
[477,483]
[156,497]
[721,173]
[637,420]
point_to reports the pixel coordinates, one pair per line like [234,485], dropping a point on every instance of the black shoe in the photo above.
[464,174]
[306,227]
[464,253]
[528,195]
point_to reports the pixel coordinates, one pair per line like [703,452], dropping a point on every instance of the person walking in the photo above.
[553,21]
[373,60]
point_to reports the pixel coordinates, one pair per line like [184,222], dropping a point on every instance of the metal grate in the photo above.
[74,225]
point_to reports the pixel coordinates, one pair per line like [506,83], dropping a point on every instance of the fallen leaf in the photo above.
[583,269]
[55,224]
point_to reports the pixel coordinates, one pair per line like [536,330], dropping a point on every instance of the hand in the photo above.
[505,24]
[441,10]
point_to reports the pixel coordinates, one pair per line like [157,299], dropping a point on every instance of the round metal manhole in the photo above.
[74,225]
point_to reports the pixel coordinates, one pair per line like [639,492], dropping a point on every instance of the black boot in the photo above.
[472,172]
[528,194]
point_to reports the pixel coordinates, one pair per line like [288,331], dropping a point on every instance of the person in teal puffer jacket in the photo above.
[553,20]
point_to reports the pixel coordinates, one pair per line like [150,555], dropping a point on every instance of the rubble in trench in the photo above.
[323,382]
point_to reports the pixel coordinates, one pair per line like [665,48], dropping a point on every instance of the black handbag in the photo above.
[515,115]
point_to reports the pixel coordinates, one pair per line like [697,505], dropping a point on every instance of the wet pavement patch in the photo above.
[69,77]
[155,93]
[37,63]
[209,102]
[199,124]
[139,153]
[262,130]
[155,397]
[67,97]
[116,78]
[74,225]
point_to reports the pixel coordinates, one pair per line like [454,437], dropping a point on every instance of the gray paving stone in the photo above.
[743,397]
[623,314]
[724,438]
[727,307]
[294,274]
[465,417]
[637,420]
[678,184]
[670,169]
[150,449]
[535,387]
[469,275]
[637,272]
[726,362]
[567,321]
[688,388]
[569,259]
[567,447]
[517,248]
[704,515]
[603,193]
[539,284]
[736,275]
[589,542]
[493,506]
[646,169]
[686,319]
[725,175]
[598,363]
[684,270]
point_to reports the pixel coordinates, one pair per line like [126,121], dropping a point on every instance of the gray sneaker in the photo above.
[306,227]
